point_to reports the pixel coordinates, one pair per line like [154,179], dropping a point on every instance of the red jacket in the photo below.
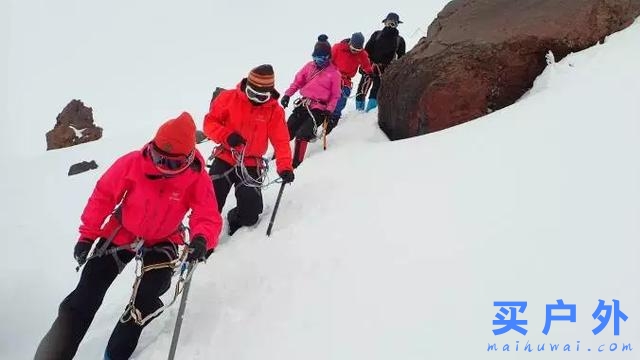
[348,62]
[231,111]
[152,207]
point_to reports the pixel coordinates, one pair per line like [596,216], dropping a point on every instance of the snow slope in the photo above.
[380,250]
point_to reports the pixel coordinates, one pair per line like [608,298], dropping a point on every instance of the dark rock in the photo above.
[482,55]
[82,167]
[74,125]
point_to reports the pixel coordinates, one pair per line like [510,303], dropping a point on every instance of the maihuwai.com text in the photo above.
[577,346]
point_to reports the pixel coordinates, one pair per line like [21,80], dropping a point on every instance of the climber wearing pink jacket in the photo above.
[319,84]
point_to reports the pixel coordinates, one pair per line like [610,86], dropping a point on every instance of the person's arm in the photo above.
[214,125]
[299,81]
[336,91]
[279,138]
[365,63]
[371,44]
[108,192]
[401,48]
[205,220]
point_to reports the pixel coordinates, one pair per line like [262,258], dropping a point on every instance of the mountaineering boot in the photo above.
[372,104]
[233,221]
[360,105]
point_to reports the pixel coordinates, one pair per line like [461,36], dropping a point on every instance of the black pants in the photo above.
[77,310]
[375,86]
[300,123]
[300,126]
[248,199]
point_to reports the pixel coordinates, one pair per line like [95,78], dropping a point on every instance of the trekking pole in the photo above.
[183,305]
[275,209]
[324,136]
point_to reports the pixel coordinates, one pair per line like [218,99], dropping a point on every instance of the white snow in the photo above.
[77,132]
[380,250]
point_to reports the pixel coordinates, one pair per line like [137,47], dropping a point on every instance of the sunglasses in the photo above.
[354,49]
[167,163]
[257,96]
[391,23]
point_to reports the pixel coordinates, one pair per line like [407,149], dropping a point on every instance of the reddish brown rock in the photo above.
[480,56]
[74,125]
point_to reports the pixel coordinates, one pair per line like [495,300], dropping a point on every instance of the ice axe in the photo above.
[324,136]
[275,209]
[183,305]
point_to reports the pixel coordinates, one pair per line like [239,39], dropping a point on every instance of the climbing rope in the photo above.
[262,181]
[306,102]
[367,81]
[186,270]
[241,171]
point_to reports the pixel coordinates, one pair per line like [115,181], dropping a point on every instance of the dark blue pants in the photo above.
[342,102]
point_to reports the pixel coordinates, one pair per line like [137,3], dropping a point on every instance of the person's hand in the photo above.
[81,251]
[235,140]
[287,176]
[197,249]
[284,101]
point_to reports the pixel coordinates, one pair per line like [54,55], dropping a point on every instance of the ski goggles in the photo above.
[257,96]
[354,49]
[168,163]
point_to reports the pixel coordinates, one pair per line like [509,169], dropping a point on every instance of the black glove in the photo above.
[197,249]
[284,101]
[287,176]
[235,139]
[81,251]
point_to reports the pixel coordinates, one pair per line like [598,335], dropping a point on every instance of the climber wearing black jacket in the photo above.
[383,47]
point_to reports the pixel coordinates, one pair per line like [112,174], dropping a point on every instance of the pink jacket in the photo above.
[152,207]
[321,86]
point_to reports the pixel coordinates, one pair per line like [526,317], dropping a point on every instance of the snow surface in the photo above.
[380,250]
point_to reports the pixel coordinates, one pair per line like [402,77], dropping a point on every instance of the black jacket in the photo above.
[384,45]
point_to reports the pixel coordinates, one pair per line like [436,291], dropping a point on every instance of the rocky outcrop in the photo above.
[74,125]
[482,55]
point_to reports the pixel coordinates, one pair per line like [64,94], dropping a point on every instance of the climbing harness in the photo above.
[103,251]
[306,103]
[185,273]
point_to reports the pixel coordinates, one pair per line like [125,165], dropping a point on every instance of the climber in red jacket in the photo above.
[243,121]
[145,195]
[348,55]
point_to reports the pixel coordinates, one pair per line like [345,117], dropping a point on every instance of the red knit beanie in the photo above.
[177,136]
